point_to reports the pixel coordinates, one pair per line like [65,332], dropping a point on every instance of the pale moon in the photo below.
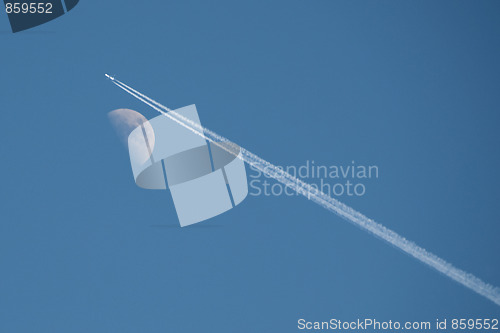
[124,121]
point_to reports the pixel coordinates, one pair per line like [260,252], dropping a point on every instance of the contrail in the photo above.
[468,280]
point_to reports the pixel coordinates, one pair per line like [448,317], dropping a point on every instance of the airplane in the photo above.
[110,77]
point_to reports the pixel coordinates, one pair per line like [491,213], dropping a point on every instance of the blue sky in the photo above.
[409,86]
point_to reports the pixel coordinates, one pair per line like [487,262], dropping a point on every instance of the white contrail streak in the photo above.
[468,280]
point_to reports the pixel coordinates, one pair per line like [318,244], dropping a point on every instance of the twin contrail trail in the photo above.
[468,280]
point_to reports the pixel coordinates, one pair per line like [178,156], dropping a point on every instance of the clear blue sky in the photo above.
[411,86]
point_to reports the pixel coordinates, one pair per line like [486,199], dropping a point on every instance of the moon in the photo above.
[124,121]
